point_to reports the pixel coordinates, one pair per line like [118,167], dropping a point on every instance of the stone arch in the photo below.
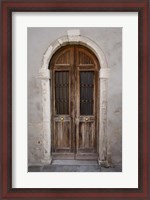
[74,37]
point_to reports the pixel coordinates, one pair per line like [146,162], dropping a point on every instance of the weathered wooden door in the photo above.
[74,86]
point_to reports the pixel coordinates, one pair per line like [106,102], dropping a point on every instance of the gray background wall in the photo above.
[110,41]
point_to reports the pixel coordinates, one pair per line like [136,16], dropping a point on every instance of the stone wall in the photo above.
[110,41]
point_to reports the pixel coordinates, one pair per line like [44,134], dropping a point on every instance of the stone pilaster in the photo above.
[44,74]
[104,75]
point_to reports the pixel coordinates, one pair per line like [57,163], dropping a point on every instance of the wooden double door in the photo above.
[74,103]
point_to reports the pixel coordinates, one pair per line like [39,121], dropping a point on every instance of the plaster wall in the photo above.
[110,41]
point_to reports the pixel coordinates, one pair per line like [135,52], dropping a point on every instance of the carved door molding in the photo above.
[74,37]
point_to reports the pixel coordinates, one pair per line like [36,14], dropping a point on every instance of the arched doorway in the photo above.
[75,102]
[74,37]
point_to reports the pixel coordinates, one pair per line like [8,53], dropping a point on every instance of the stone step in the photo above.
[74,162]
[71,168]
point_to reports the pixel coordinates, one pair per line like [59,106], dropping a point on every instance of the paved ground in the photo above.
[73,166]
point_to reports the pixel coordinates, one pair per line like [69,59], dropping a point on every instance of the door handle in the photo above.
[62,119]
[86,119]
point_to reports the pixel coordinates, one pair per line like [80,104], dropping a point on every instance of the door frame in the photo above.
[74,37]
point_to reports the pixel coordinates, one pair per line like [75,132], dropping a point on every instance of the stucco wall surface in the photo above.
[110,41]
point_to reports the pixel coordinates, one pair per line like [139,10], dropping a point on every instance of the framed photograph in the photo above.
[74,85]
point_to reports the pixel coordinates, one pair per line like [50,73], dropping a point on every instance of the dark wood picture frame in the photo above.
[10,6]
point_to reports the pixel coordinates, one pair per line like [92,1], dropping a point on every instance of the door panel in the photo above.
[74,102]
[62,134]
[86,136]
